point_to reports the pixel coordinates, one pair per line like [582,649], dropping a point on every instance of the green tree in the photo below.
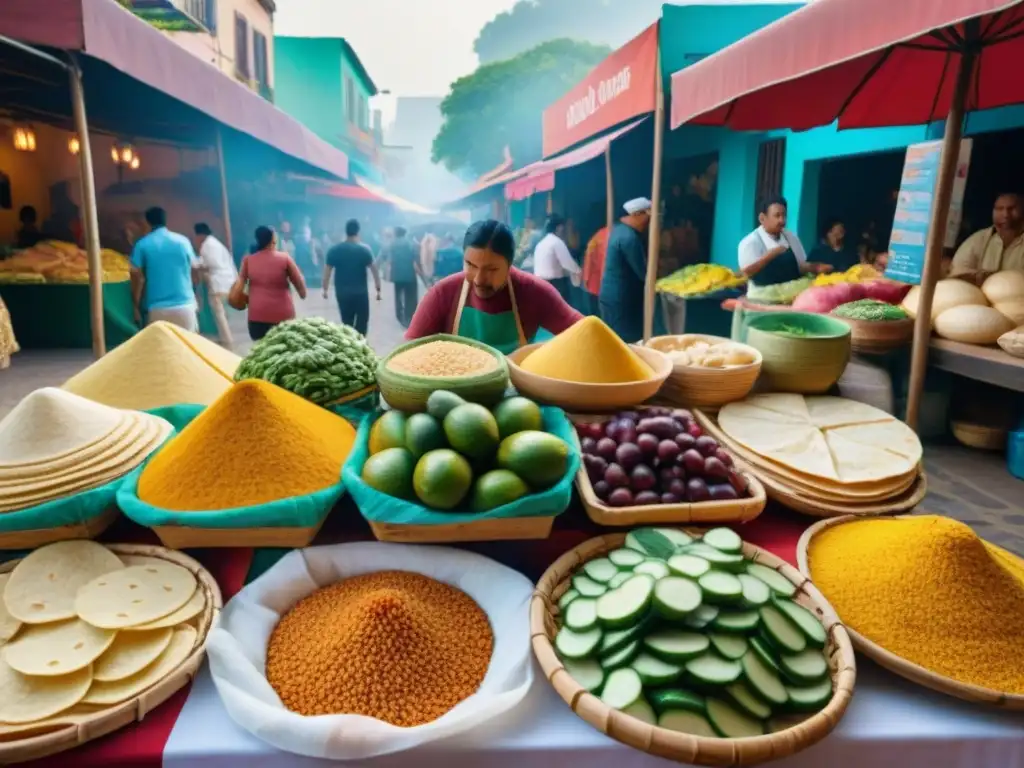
[501,104]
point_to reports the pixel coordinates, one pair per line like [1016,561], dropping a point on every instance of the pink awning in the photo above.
[104,30]
[867,63]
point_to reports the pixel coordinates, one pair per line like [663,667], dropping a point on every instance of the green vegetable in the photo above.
[315,359]
[782,293]
[870,309]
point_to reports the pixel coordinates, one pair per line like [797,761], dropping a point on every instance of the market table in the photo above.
[889,723]
[988,364]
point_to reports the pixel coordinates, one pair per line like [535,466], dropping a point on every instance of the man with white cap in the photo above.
[625,270]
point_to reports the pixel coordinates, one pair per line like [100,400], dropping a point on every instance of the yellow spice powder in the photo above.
[929,590]
[588,353]
[443,358]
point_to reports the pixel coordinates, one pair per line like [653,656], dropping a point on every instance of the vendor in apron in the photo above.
[771,254]
[490,300]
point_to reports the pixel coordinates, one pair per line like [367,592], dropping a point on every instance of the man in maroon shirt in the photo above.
[490,300]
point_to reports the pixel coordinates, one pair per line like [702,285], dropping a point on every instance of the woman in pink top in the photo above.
[270,274]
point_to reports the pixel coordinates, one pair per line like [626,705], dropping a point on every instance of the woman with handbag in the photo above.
[269,275]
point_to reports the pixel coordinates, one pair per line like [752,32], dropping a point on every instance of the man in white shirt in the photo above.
[219,274]
[552,260]
[771,254]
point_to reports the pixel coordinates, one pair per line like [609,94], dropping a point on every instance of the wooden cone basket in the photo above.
[20,743]
[673,745]
[897,664]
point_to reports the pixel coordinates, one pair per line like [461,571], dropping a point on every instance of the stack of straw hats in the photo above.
[55,444]
[162,365]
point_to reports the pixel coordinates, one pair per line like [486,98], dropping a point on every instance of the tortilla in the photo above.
[180,647]
[25,699]
[9,625]
[828,412]
[134,595]
[188,611]
[857,462]
[57,648]
[105,447]
[130,653]
[782,403]
[893,436]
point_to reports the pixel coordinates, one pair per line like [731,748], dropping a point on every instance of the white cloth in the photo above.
[552,260]
[755,245]
[636,205]
[221,271]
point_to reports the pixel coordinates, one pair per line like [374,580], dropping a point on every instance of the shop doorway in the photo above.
[861,191]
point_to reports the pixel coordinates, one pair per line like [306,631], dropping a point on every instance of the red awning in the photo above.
[540,176]
[105,31]
[867,63]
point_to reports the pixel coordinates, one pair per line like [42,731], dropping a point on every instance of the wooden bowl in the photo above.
[875,337]
[693,386]
[805,364]
[897,664]
[594,398]
[20,743]
[682,747]
[980,436]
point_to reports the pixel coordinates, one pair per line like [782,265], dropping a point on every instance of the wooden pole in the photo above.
[90,217]
[935,243]
[551,203]
[609,187]
[225,207]
[654,233]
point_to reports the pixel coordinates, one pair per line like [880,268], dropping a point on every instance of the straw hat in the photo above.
[55,444]
[161,365]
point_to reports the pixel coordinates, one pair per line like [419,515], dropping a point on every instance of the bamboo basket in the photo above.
[20,743]
[494,529]
[186,537]
[681,747]
[876,337]
[692,386]
[897,664]
[573,396]
[84,529]
[979,436]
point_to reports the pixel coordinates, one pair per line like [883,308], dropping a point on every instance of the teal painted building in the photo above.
[321,82]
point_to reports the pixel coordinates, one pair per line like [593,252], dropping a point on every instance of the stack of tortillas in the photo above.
[825,455]
[82,629]
[55,444]
[161,365]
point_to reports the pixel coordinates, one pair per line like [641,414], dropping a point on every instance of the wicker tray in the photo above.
[691,386]
[186,537]
[979,436]
[86,529]
[494,529]
[673,745]
[897,664]
[72,730]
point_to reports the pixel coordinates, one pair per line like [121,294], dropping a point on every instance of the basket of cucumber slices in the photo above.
[692,645]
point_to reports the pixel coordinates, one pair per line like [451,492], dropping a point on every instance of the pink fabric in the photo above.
[270,275]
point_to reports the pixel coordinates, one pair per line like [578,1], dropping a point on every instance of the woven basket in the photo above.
[979,436]
[409,393]
[897,664]
[808,365]
[878,337]
[681,747]
[22,743]
[85,529]
[693,386]
[596,398]
[492,529]
[186,537]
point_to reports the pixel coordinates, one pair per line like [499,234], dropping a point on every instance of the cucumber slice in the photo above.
[723,561]
[586,672]
[755,592]
[581,614]
[719,587]
[674,645]
[625,558]
[600,570]
[763,681]
[805,668]
[783,632]
[737,622]
[677,537]
[621,658]
[778,583]
[687,722]
[810,698]
[701,617]
[712,670]
[732,647]
[642,711]
[677,699]
[700,549]
[568,597]
[587,587]
[724,540]
[691,566]
[577,645]
[807,621]
[655,672]
[651,542]
[619,579]
[747,701]
[676,597]
[625,605]
[730,723]
[654,568]
[620,638]
[622,689]
[766,654]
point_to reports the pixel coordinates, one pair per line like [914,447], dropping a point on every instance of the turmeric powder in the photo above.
[392,645]
[257,443]
[588,352]
[929,590]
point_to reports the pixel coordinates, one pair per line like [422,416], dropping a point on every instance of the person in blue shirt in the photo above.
[448,260]
[163,275]
[625,270]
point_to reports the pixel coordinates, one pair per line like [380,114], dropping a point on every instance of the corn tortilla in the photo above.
[57,648]
[134,595]
[130,653]
[25,699]
[183,639]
